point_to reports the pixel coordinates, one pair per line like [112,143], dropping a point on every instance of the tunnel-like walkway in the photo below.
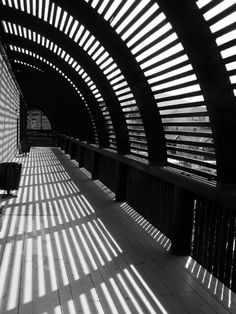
[67,247]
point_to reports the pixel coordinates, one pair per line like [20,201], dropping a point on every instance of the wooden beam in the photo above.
[200,46]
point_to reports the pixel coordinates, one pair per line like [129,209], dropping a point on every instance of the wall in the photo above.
[9,111]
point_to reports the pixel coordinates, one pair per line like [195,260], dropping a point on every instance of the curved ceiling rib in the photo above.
[146,119]
[190,148]
[56,96]
[221,18]
[32,100]
[194,97]
[17,30]
[102,59]
[120,128]
[35,99]
[76,52]
[27,65]
[208,64]
[96,99]
[25,51]
[75,80]
[28,54]
[145,30]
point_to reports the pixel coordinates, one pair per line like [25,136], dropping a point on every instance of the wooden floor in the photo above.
[67,247]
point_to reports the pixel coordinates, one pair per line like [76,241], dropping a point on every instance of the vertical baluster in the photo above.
[121,181]
[63,143]
[87,160]
[66,145]
[223,243]
[161,201]
[206,237]
[69,147]
[59,141]
[217,241]
[95,158]
[229,256]
[72,152]
[212,231]
[202,231]
[196,230]
[170,209]
[81,156]
[76,151]
[183,220]
[165,216]
[233,265]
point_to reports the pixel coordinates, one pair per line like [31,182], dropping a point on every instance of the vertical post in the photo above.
[63,143]
[69,147]
[72,151]
[233,265]
[58,140]
[95,165]
[81,156]
[121,181]
[76,151]
[182,223]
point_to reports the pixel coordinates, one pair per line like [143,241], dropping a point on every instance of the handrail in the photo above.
[195,184]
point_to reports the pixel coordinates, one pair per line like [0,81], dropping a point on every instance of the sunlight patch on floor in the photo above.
[55,248]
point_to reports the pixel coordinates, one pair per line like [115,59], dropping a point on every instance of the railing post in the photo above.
[182,223]
[58,140]
[81,156]
[121,181]
[95,165]
[68,148]
[72,151]
[63,144]
[76,151]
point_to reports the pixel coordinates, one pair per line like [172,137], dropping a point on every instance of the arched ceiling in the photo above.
[151,75]
[52,97]
[55,61]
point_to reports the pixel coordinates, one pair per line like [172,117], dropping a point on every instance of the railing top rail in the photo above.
[195,184]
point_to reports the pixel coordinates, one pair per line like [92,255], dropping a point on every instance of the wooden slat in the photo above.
[185,114]
[138,276]
[193,152]
[185,124]
[191,171]
[190,143]
[192,161]
[189,133]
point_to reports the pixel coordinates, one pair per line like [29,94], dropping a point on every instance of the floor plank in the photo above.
[67,247]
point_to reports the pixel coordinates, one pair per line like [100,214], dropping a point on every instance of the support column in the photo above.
[69,147]
[95,165]
[72,151]
[121,181]
[58,140]
[204,54]
[182,222]
[81,156]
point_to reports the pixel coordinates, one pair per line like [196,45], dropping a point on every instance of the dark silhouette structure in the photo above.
[143,95]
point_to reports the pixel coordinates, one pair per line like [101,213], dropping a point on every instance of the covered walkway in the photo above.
[67,247]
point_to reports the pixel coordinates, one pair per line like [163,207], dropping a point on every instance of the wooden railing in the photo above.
[199,219]
[41,138]
[152,198]
[214,236]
